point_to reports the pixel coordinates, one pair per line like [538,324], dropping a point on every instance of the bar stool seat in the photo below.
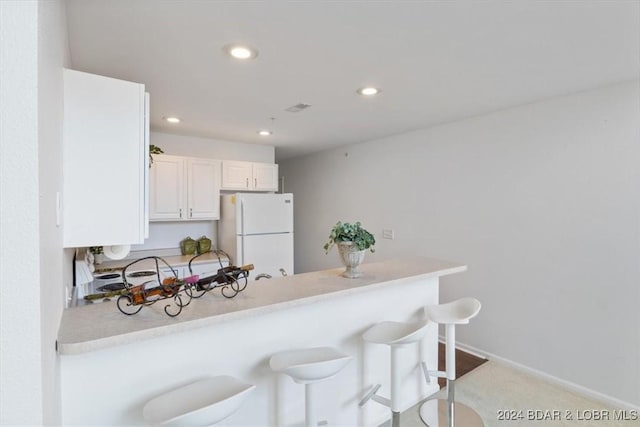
[201,403]
[457,312]
[395,333]
[441,412]
[309,366]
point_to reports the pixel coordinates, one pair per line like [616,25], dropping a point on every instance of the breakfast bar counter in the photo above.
[127,360]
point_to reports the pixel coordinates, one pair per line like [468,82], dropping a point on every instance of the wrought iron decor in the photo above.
[177,292]
[230,280]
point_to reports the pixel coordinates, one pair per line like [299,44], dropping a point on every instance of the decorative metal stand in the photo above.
[169,289]
[230,280]
[177,292]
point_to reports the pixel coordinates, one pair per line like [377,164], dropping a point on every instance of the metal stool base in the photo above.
[433,413]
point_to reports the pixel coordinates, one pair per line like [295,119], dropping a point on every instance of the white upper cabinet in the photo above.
[236,175]
[105,161]
[203,188]
[167,188]
[265,177]
[249,176]
[184,188]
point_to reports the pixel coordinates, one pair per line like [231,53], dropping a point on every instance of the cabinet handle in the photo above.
[190,212]
[247,182]
[180,213]
[255,182]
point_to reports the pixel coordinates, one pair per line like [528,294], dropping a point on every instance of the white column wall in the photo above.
[33,265]
[55,263]
[21,397]
[541,201]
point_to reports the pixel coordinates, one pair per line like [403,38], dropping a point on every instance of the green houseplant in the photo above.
[154,149]
[352,241]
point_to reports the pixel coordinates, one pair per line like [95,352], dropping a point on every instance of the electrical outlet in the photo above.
[387,233]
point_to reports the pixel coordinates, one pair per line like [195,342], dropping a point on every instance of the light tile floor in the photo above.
[493,387]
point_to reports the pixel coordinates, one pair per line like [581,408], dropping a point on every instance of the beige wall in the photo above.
[543,203]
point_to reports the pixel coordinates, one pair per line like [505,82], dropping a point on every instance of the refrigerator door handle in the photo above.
[242,261]
[241,216]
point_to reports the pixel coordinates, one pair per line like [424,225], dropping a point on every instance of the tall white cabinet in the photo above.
[105,161]
[184,188]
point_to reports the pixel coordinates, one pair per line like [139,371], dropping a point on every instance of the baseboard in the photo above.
[576,388]
[477,353]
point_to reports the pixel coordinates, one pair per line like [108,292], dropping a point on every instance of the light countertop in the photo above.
[99,326]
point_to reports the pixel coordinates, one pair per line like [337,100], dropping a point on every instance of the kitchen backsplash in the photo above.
[165,235]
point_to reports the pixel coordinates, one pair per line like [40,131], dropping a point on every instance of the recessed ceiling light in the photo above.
[240,52]
[265,132]
[172,119]
[369,91]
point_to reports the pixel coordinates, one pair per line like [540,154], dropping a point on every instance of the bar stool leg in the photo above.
[433,412]
[450,348]
[395,388]
[309,405]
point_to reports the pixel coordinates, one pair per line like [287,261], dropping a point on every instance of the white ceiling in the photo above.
[436,61]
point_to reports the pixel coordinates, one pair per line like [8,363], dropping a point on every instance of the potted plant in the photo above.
[154,149]
[352,241]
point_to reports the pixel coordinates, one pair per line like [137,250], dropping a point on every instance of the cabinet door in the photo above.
[103,161]
[167,187]
[203,189]
[265,177]
[236,175]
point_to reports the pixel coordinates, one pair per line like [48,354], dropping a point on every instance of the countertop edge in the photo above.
[74,348]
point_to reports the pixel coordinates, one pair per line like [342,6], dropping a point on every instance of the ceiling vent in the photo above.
[298,107]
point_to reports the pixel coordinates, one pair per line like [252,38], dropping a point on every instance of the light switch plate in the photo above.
[387,233]
[58,209]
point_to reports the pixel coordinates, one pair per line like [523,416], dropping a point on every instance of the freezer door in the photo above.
[268,253]
[265,213]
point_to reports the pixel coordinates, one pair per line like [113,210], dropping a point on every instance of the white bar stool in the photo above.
[441,412]
[201,403]
[396,335]
[309,366]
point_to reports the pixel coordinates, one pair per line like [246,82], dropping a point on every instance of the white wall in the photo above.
[543,203]
[180,145]
[33,51]
[20,347]
[168,235]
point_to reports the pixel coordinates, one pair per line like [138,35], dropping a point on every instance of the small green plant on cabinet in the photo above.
[346,232]
[154,149]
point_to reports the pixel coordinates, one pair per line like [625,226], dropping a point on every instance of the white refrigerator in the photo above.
[258,229]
